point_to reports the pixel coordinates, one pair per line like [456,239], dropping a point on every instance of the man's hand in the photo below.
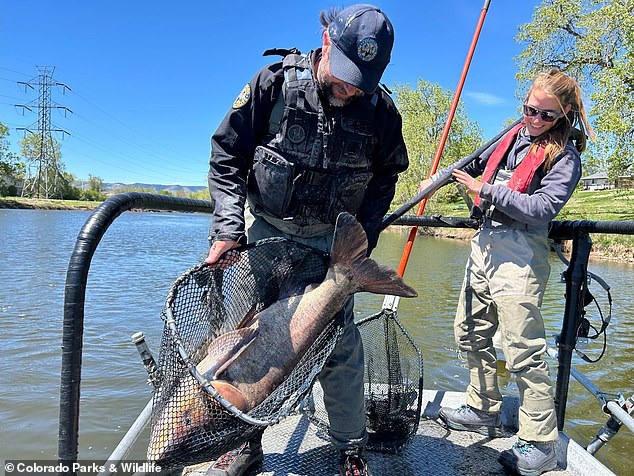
[220,254]
[474,186]
[424,184]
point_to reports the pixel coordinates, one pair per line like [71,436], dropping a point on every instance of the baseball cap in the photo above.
[362,39]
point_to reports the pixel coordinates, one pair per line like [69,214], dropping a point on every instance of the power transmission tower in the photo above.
[43,175]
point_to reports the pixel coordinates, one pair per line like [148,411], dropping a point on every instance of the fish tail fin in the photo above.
[350,247]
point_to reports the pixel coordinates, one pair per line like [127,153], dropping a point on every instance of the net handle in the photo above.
[444,135]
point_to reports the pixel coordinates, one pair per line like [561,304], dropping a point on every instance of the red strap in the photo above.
[523,174]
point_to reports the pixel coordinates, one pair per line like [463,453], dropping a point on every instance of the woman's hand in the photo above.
[474,186]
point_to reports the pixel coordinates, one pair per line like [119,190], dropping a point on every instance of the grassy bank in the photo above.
[46,204]
[605,205]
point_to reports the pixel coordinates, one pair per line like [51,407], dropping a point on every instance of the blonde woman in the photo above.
[526,179]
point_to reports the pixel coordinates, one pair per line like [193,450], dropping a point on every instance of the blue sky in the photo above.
[151,80]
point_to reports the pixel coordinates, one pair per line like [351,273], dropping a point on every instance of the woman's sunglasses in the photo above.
[547,116]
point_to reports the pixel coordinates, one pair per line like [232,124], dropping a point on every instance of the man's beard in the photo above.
[325,88]
[335,101]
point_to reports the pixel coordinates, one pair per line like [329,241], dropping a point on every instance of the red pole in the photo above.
[443,138]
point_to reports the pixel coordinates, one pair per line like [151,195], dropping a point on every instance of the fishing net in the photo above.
[191,422]
[393,385]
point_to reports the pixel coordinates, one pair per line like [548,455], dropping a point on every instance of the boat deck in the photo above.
[295,447]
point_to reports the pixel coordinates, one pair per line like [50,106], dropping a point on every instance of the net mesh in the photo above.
[393,385]
[191,422]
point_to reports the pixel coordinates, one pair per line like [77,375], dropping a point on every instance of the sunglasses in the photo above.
[547,116]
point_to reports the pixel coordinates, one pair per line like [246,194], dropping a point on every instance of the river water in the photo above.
[137,261]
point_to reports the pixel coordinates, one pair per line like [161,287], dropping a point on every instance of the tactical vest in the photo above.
[311,167]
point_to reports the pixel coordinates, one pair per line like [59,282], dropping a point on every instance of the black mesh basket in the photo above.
[393,385]
[191,421]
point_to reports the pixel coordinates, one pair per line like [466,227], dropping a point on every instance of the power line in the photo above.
[13,71]
[149,151]
[104,137]
[150,174]
[144,150]
[44,178]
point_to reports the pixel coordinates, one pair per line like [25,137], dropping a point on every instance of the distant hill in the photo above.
[109,188]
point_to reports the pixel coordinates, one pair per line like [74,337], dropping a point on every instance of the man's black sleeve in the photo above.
[232,148]
[390,160]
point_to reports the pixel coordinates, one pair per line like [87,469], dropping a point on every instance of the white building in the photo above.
[596,181]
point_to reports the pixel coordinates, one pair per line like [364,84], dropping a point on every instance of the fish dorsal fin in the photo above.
[226,348]
[350,247]
[350,242]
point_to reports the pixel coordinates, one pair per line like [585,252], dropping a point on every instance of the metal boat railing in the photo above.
[104,215]
[575,276]
[619,411]
[74,299]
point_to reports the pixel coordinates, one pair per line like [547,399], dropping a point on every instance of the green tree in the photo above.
[592,41]
[11,169]
[424,111]
[49,181]
[94,191]
[200,195]
[66,190]
[124,188]
[95,183]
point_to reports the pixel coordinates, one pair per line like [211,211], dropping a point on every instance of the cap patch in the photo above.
[367,49]
[243,97]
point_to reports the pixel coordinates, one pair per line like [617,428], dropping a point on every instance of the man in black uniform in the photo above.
[308,138]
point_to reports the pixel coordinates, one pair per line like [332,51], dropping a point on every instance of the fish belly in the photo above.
[286,332]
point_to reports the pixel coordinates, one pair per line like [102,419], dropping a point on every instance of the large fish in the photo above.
[247,364]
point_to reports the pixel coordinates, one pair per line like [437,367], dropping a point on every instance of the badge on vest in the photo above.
[243,97]
[296,134]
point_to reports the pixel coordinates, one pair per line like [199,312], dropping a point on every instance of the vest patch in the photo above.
[296,134]
[243,97]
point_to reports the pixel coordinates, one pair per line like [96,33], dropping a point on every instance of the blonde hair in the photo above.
[566,92]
